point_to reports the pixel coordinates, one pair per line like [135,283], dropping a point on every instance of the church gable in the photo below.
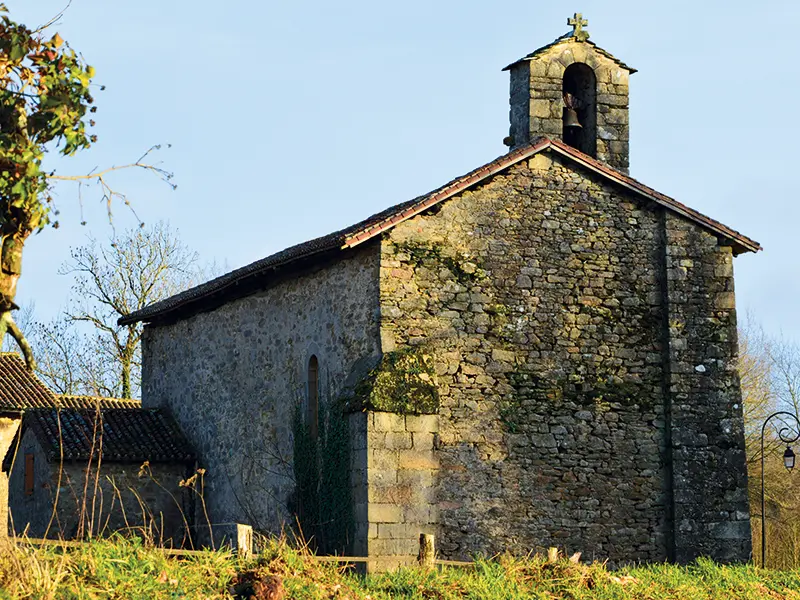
[538,295]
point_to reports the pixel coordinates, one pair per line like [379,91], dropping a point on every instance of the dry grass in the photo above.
[130,569]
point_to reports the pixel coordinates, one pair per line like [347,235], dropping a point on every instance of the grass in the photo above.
[125,568]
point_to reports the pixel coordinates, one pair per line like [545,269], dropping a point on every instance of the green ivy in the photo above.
[322,500]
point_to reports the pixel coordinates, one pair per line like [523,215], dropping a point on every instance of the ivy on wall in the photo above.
[322,500]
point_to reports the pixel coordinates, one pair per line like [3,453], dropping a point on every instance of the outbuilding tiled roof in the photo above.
[231,284]
[20,388]
[122,434]
[73,401]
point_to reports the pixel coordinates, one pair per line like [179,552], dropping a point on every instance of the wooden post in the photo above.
[427,551]
[244,540]
[552,554]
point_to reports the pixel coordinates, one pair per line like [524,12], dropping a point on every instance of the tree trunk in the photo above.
[10,271]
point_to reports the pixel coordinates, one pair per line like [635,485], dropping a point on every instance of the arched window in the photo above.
[312,406]
[580,90]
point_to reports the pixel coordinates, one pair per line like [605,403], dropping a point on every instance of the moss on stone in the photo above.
[465,271]
[598,392]
[404,382]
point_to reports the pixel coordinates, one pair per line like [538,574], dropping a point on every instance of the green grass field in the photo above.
[127,569]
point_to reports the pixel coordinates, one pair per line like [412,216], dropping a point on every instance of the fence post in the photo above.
[244,540]
[427,551]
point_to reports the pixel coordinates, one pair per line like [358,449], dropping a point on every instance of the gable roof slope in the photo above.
[225,286]
[123,434]
[21,388]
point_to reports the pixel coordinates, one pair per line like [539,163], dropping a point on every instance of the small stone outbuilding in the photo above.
[541,352]
[81,471]
[75,465]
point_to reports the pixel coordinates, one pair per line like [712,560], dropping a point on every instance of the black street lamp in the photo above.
[787,435]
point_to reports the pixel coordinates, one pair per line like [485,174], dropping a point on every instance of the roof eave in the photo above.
[148,316]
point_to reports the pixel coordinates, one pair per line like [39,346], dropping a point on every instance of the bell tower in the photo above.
[575,91]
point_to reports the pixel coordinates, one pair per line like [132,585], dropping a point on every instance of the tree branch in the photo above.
[19,337]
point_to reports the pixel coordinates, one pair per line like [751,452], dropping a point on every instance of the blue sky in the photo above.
[292,119]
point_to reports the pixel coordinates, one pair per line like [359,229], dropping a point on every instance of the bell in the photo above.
[571,118]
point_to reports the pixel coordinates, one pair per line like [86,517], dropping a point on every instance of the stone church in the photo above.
[541,352]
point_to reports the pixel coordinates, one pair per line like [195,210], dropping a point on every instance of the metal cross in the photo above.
[578,23]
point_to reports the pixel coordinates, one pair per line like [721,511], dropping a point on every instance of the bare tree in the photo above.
[70,361]
[757,373]
[113,280]
[769,368]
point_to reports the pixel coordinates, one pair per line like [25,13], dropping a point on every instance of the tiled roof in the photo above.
[124,434]
[226,285]
[19,388]
[566,39]
[73,401]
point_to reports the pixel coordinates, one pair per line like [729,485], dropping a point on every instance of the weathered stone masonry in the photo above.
[541,295]
[234,377]
[708,468]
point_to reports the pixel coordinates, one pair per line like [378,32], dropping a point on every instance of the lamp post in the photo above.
[787,436]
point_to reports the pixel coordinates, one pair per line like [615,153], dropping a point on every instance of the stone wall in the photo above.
[235,377]
[709,465]
[401,481]
[541,294]
[9,426]
[113,505]
[537,104]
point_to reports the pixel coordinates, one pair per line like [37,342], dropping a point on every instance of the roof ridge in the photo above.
[365,230]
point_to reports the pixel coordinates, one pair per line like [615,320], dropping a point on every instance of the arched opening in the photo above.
[580,94]
[312,405]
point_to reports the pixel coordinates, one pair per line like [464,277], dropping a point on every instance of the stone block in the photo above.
[416,478]
[404,531]
[725,300]
[399,441]
[381,478]
[387,546]
[390,493]
[540,108]
[423,441]
[538,68]
[540,162]
[422,423]
[382,459]
[387,422]
[384,513]
[423,514]
[416,460]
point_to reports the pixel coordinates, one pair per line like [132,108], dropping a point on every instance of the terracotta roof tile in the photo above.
[19,388]
[367,229]
[124,434]
[73,401]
